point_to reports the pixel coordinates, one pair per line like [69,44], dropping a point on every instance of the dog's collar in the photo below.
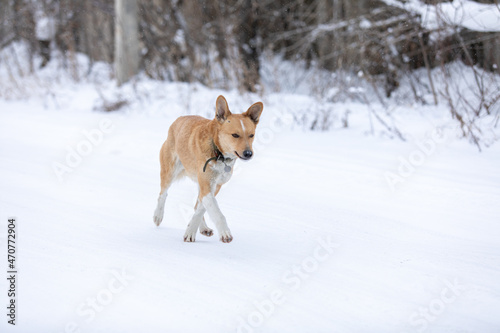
[218,157]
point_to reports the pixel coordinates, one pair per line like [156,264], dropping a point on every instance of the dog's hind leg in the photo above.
[159,211]
[196,222]
[204,229]
[171,167]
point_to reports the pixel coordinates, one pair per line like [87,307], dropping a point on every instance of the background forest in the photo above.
[371,47]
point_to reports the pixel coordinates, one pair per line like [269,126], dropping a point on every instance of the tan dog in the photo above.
[205,151]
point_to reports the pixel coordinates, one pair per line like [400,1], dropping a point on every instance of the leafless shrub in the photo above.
[109,106]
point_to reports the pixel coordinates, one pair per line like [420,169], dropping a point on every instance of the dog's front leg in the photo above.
[216,215]
[207,198]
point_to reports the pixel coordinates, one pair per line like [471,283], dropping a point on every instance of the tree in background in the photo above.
[222,43]
[126,40]
[247,30]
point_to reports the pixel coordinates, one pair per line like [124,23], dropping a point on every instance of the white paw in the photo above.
[189,236]
[158,217]
[225,236]
[207,232]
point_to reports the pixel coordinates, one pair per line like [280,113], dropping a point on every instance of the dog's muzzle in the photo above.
[247,154]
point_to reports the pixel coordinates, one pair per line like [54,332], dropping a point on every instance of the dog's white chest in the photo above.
[222,172]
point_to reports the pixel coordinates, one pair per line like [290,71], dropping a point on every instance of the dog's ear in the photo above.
[221,109]
[254,112]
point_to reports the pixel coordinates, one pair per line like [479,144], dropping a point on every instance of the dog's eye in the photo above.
[250,136]
[235,135]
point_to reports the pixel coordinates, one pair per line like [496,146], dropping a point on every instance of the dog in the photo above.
[206,151]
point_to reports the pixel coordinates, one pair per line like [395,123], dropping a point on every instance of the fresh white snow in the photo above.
[457,13]
[323,241]
[339,231]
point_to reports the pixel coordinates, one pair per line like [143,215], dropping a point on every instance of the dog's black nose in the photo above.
[247,154]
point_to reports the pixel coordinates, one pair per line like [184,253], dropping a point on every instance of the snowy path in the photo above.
[321,243]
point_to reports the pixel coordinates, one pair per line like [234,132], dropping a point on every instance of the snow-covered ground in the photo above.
[339,231]
[333,232]
[456,13]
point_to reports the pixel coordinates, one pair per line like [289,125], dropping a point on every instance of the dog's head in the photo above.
[237,131]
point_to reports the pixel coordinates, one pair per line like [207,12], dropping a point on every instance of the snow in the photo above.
[45,28]
[460,13]
[338,231]
[45,24]
[396,250]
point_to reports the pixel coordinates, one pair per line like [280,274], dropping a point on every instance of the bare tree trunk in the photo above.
[247,38]
[428,67]
[126,40]
[492,52]
[324,14]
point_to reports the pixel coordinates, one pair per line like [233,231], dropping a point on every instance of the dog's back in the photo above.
[187,142]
